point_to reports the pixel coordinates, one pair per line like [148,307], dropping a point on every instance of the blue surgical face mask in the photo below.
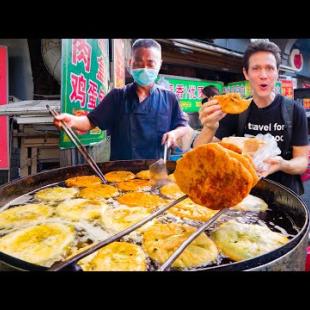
[144,76]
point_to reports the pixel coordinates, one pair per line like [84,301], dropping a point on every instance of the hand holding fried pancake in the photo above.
[210,114]
[232,103]
[214,177]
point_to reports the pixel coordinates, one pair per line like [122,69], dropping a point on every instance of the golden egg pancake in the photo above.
[143,174]
[83,181]
[161,240]
[146,200]
[40,244]
[230,146]
[26,214]
[171,191]
[80,209]
[240,241]
[54,194]
[117,256]
[99,192]
[134,185]
[120,218]
[119,176]
[232,103]
[213,178]
[251,203]
[187,209]
[247,163]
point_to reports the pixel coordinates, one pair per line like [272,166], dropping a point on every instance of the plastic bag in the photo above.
[269,149]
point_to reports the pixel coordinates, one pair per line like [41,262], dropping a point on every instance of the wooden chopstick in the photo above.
[61,265]
[74,138]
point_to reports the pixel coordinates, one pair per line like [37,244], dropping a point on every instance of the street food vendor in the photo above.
[142,116]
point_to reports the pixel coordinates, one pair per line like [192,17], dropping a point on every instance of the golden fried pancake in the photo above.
[213,178]
[251,203]
[56,194]
[120,218]
[247,145]
[248,163]
[40,244]
[146,200]
[230,146]
[134,185]
[119,176]
[26,214]
[143,174]
[83,181]
[80,209]
[232,103]
[161,240]
[117,256]
[240,241]
[171,191]
[99,192]
[187,209]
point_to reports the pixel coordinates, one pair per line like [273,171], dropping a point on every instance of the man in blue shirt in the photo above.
[141,117]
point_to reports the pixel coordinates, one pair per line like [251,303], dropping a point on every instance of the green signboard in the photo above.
[189,91]
[244,88]
[85,76]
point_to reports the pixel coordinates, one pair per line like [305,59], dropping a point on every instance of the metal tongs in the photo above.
[158,170]
[82,149]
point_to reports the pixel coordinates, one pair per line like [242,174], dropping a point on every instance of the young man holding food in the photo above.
[265,115]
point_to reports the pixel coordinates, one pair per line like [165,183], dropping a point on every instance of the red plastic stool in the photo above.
[308,259]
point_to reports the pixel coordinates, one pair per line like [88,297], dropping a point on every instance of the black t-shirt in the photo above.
[269,120]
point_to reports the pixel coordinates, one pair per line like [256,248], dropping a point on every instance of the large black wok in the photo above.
[281,200]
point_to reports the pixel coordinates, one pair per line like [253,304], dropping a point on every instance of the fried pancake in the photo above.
[213,178]
[247,145]
[80,209]
[21,215]
[146,200]
[99,192]
[120,218]
[83,181]
[230,146]
[171,191]
[248,163]
[40,244]
[161,240]
[117,256]
[134,185]
[119,176]
[232,103]
[240,241]
[143,174]
[251,203]
[189,210]
[54,194]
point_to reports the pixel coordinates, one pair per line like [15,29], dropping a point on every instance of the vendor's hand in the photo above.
[170,138]
[275,164]
[68,119]
[210,114]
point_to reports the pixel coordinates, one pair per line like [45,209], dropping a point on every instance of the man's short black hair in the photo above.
[210,91]
[261,46]
[145,43]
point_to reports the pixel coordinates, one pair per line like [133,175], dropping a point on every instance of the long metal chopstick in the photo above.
[189,240]
[74,138]
[75,258]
